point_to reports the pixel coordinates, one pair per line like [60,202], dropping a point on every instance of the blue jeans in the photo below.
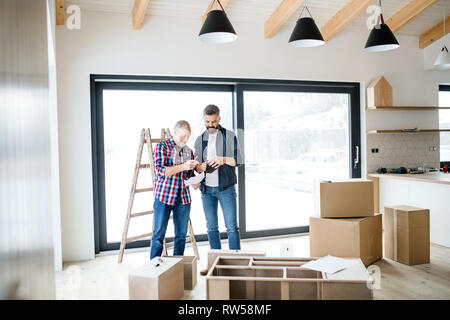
[227,198]
[161,215]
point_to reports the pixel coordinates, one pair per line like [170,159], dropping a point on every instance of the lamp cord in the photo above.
[443,11]
[305,7]
[218,1]
[380,19]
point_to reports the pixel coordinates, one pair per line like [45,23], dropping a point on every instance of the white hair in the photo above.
[182,124]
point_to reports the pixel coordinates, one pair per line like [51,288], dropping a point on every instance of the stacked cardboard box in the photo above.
[346,225]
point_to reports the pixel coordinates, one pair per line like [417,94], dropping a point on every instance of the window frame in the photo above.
[354,140]
[443,87]
[100,82]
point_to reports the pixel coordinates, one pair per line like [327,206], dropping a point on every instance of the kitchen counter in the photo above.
[433,177]
[427,190]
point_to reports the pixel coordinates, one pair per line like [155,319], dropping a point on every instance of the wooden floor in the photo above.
[104,278]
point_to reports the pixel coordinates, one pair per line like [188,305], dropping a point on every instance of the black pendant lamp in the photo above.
[381,37]
[217,28]
[306,33]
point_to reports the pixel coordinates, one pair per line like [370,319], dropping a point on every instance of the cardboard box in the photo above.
[407,234]
[344,199]
[353,237]
[214,253]
[152,282]
[190,271]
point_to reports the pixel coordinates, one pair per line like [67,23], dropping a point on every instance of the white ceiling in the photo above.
[258,11]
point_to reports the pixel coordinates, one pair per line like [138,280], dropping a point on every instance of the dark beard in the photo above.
[212,130]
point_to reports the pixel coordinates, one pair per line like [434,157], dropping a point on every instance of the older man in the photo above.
[174,162]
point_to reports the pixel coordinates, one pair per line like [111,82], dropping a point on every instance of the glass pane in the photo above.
[291,139]
[125,113]
[444,123]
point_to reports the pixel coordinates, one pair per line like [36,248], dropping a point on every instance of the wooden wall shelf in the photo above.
[404,108]
[401,131]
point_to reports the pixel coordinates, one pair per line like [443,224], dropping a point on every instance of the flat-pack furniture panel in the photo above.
[354,291]
[303,291]
[214,253]
[157,280]
[283,278]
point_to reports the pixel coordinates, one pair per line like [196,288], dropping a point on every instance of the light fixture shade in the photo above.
[306,34]
[217,28]
[443,60]
[381,38]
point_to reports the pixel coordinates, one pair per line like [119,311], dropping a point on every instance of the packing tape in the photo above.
[395,234]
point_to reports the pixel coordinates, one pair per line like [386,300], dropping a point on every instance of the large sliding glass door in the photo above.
[291,139]
[126,110]
[291,134]
[294,135]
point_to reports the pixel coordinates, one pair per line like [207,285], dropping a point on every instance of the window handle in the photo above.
[356,160]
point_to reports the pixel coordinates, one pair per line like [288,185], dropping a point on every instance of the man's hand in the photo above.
[195,186]
[190,164]
[217,162]
[201,167]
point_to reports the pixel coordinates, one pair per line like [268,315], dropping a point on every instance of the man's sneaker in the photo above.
[203,272]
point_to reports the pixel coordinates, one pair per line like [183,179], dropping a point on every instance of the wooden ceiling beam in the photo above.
[279,17]
[434,34]
[408,13]
[139,11]
[343,17]
[212,6]
[60,10]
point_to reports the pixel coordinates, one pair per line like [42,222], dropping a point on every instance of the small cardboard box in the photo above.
[344,199]
[347,238]
[214,253]
[153,282]
[190,271]
[407,234]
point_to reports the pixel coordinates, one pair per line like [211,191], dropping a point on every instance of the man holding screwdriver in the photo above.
[174,163]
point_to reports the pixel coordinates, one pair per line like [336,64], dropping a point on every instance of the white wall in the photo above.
[56,210]
[106,44]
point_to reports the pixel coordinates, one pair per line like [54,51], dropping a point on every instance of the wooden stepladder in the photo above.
[146,139]
[190,237]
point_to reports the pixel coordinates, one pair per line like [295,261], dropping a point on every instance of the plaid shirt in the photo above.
[168,154]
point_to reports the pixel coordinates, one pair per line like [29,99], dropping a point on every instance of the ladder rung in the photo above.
[154,140]
[138,214]
[145,235]
[143,166]
[143,190]
[170,244]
